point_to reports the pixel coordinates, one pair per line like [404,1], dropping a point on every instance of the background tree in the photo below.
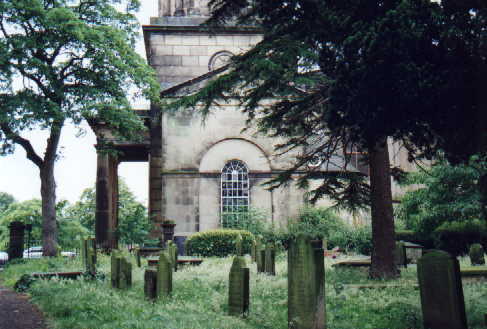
[5,201]
[75,60]
[133,222]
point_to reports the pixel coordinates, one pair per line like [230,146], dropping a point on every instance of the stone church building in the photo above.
[201,175]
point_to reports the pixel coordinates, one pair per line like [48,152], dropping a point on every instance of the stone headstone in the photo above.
[238,288]
[306,285]
[164,276]
[172,252]
[260,260]
[180,243]
[253,248]
[400,254]
[441,291]
[476,254]
[270,260]
[150,284]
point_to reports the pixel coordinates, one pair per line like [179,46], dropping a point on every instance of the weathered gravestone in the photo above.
[270,260]
[164,276]
[238,246]
[441,291]
[306,285]
[88,255]
[253,253]
[16,242]
[172,252]
[400,254]
[238,288]
[150,284]
[260,259]
[476,254]
[121,271]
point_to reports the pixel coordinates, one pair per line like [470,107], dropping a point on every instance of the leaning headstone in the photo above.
[150,284]
[238,288]
[306,290]
[270,260]
[238,245]
[441,291]
[164,276]
[476,254]
[400,254]
[16,242]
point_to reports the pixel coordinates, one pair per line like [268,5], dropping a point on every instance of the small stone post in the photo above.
[400,254]
[150,284]
[306,285]
[16,243]
[440,286]
[270,260]
[88,251]
[238,288]
[261,259]
[476,254]
[172,252]
[253,253]
[137,257]
[164,276]
[238,246]
[115,269]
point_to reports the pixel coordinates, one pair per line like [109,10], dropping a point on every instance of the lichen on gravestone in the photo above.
[150,284]
[400,258]
[253,248]
[172,252]
[164,276]
[476,254]
[440,286]
[238,288]
[306,291]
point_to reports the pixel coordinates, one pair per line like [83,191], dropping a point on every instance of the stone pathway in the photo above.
[17,312]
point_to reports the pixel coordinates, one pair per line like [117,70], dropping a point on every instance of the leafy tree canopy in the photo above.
[5,201]
[67,60]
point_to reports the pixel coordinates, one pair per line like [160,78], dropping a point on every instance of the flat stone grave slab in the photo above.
[364,262]
[61,275]
[473,271]
[181,261]
[359,286]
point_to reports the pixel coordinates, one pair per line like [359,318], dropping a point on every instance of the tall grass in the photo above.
[200,300]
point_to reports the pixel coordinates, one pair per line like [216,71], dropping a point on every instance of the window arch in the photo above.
[234,193]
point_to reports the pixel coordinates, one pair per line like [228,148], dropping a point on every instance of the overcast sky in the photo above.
[76,170]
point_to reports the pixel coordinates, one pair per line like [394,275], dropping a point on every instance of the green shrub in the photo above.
[456,237]
[219,243]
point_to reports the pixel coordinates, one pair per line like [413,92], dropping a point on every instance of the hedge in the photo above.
[220,242]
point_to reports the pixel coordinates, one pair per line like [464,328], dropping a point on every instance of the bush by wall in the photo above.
[218,243]
[456,237]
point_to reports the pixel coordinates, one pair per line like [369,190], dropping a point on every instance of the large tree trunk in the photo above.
[48,192]
[383,236]
[48,196]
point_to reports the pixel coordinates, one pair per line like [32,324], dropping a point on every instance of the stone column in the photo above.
[16,244]
[106,201]
[155,173]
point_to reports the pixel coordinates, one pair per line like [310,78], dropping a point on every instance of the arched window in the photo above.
[234,193]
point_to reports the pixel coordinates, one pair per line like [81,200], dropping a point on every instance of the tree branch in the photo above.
[26,145]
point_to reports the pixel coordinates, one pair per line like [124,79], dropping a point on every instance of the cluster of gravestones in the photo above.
[439,280]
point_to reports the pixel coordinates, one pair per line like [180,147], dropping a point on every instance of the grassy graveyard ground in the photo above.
[200,299]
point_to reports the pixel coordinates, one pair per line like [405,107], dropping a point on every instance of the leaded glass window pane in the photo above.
[234,193]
